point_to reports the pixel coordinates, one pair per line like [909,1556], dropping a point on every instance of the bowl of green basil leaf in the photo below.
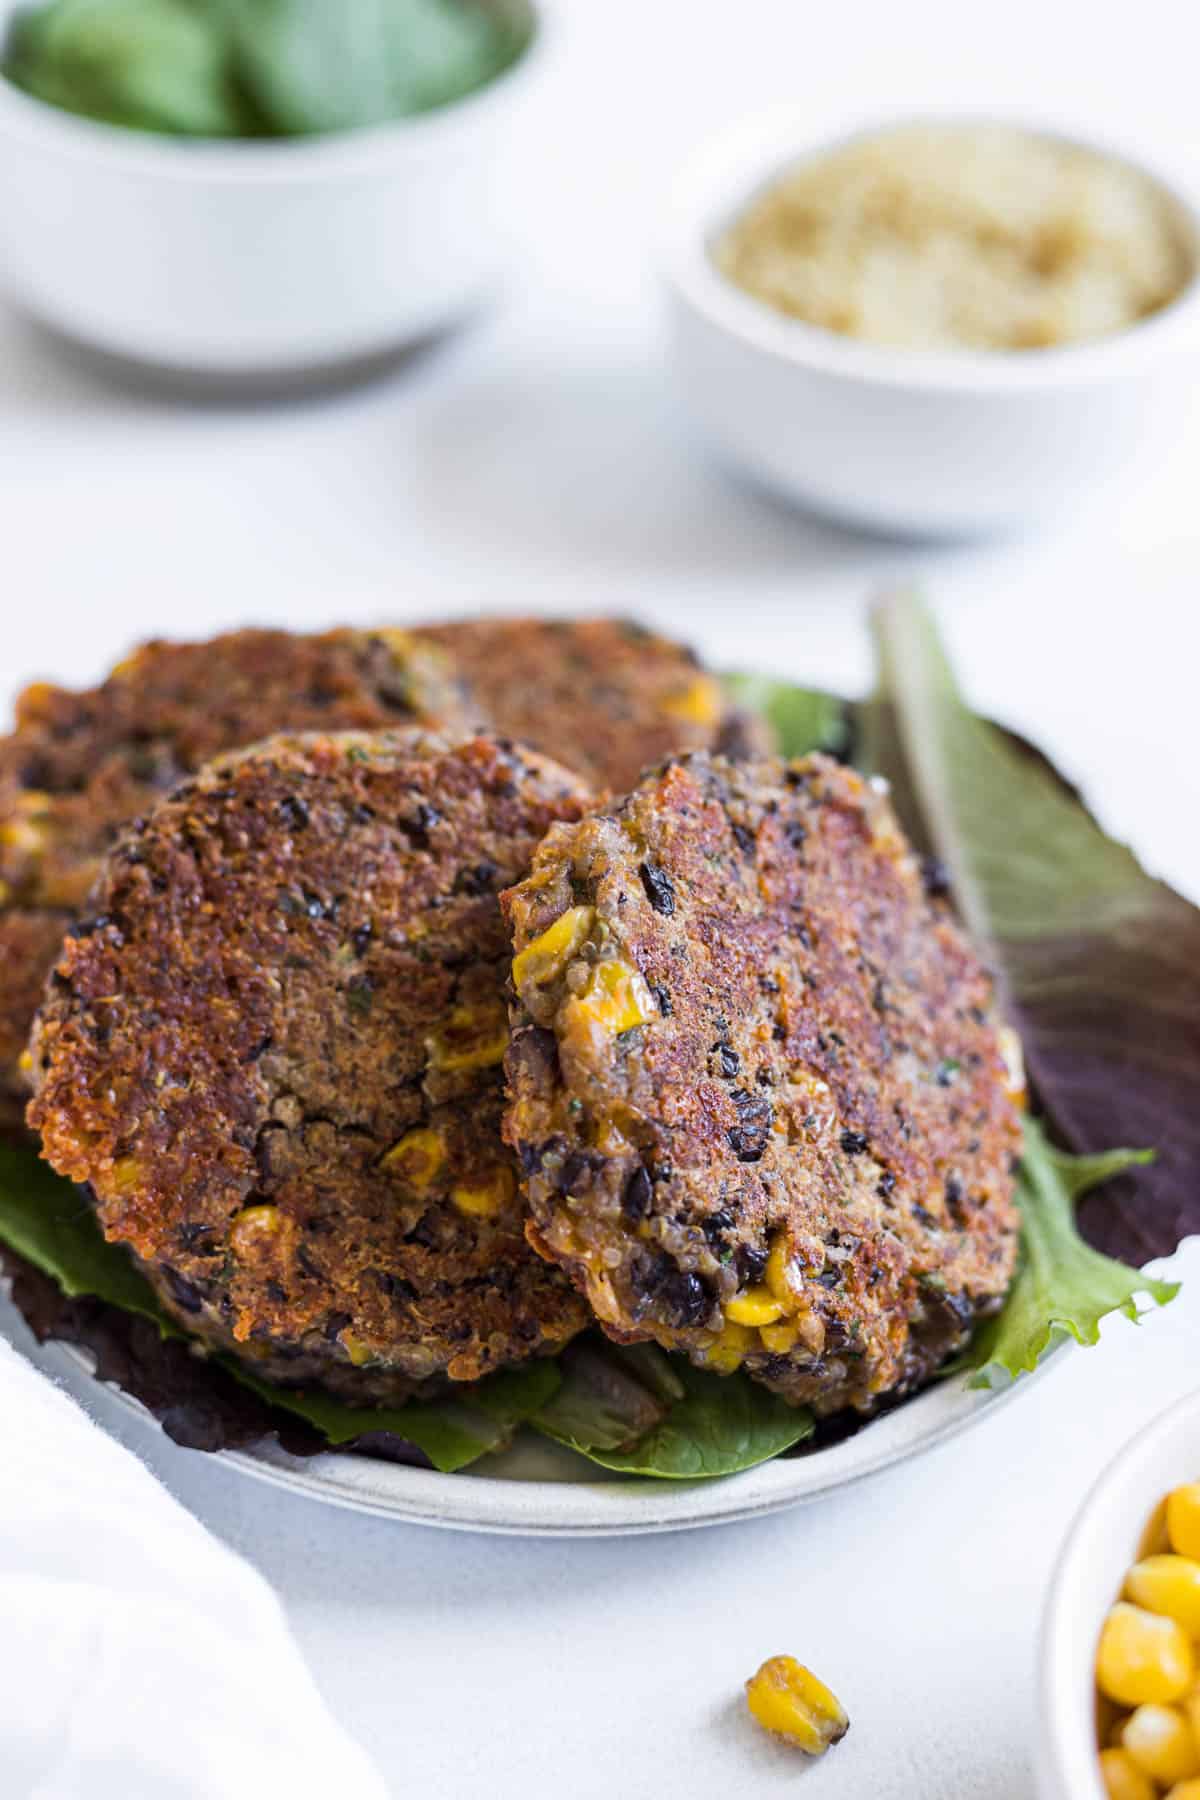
[255,186]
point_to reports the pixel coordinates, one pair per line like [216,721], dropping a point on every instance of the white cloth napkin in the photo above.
[139,1658]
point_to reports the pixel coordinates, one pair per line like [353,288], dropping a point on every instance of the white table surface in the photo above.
[538,463]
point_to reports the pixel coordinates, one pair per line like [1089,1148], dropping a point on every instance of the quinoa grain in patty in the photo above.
[274,1052]
[755,1082]
[78,766]
[604,696]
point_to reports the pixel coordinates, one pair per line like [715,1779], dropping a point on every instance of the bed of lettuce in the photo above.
[1100,971]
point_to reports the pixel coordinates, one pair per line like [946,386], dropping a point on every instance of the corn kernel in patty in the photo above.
[472,1038]
[727,1351]
[416,1158]
[757,1306]
[542,960]
[616,998]
[253,1226]
[483,1199]
[781,1338]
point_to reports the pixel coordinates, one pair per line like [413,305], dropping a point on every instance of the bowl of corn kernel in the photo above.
[1120,1697]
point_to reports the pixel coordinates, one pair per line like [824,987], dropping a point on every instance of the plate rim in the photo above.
[492,1504]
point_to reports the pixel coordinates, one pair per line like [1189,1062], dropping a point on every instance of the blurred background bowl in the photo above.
[1107,1536]
[913,442]
[255,257]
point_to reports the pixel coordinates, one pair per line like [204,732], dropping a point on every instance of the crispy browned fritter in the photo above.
[78,766]
[606,697]
[755,1081]
[273,1053]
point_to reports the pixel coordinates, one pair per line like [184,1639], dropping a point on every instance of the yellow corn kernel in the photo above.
[610,1139]
[1122,1778]
[787,1699]
[416,1158]
[1185,1790]
[483,1199]
[616,998]
[1162,1744]
[471,1038]
[355,1349]
[1190,1704]
[1169,1585]
[781,1338]
[1142,1657]
[729,1351]
[697,704]
[23,835]
[757,1306]
[782,1274]
[541,960]
[253,1226]
[36,702]
[124,1176]
[1183,1519]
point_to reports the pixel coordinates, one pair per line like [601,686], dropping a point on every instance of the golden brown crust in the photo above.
[78,766]
[606,697]
[755,1083]
[274,1055]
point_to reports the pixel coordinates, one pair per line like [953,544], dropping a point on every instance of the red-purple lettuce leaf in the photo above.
[1099,964]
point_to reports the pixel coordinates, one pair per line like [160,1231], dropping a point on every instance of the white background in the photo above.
[538,463]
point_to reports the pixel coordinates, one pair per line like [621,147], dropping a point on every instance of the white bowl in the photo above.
[907,441]
[233,257]
[1107,1536]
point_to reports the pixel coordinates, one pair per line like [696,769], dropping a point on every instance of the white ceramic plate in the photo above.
[538,1490]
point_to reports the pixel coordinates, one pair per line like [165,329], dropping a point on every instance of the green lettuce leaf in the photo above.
[150,65]
[1062,1287]
[451,1433]
[251,68]
[1099,964]
[803,719]
[641,1413]
[316,67]
[48,1222]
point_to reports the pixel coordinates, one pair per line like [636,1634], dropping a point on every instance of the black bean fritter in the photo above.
[79,766]
[606,697]
[274,1055]
[755,1081]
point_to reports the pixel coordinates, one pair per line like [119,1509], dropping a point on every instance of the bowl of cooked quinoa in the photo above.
[933,327]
